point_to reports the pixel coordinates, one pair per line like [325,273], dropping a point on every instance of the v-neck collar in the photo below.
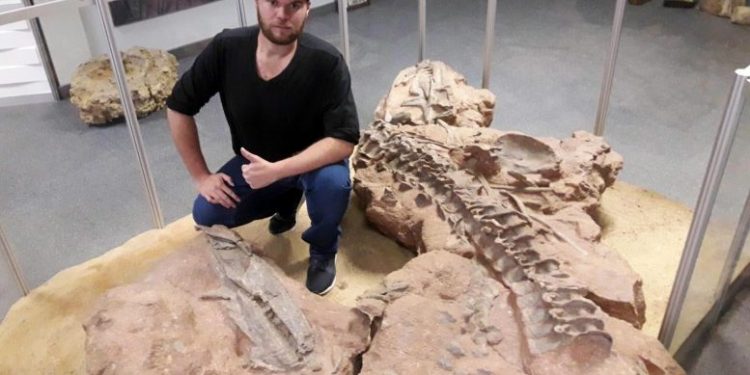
[287,70]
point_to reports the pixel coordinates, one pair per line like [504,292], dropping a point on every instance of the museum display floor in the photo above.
[70,192]
[726,350]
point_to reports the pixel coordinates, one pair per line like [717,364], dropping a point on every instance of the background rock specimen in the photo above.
[151,74]
[430,92]
[738,11]
[519,207]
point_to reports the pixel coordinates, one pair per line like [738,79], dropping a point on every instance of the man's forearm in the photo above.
[321,153]
[185,137]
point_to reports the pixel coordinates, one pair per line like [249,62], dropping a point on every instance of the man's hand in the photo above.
[258,173]
[216,188]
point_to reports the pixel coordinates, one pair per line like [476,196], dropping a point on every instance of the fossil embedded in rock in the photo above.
[520,207]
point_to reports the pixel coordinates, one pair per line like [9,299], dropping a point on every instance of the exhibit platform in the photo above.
[42,333]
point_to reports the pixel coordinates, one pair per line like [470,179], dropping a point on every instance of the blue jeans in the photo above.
[326,191]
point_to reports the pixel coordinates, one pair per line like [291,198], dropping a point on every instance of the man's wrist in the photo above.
[280,169]
[200,177]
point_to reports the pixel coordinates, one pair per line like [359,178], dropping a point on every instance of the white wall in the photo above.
[22,76]
[77,35]
[66,41]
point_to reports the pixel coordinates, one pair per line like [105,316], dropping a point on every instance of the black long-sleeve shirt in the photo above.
[309,100]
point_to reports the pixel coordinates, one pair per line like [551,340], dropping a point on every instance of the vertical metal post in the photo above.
[733,256]
[489,42]
[344,28]
[129,110]
[43,51]
[13,263]
[242,12]
[422,29]
[609,69]
[706,199]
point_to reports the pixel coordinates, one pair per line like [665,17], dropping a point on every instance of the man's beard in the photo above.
[284,40]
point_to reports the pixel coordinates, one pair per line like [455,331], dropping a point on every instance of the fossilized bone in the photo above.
[554,313]
[435,93]
[259,305]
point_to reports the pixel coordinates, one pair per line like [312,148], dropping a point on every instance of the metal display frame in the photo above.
[489,42]
[41,45]
[33,12]
[128,107]
[242,13]
[27,13]
[704,207]
[609,68]
[13,263]
[343,9]
[730,265]
[422,11]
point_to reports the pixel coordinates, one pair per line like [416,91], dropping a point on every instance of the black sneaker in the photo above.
[279,224]
[321,275]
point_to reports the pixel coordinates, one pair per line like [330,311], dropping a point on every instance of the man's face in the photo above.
[282,21]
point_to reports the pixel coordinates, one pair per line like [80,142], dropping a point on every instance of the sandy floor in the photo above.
[42,332]
[649,232]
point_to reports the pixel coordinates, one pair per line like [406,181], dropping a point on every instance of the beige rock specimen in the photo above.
[215,308]
[722,8]
[520,207]
[430,92]
[151,74]
[741,15]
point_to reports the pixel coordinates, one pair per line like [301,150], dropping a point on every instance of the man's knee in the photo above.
[327,191]
[331,180]
[208,214]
